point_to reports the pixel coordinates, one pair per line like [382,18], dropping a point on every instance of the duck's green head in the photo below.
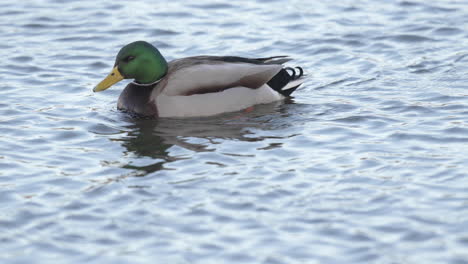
[138,60]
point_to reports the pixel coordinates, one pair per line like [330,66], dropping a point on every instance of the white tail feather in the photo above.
[293,84]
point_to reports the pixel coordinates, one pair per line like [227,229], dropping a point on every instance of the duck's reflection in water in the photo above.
[149,138]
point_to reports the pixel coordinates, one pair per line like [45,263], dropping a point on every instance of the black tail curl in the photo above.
[283,77]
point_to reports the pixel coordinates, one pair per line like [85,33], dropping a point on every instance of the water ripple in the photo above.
[366,164]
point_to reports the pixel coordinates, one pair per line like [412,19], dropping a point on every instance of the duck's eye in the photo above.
[129,58]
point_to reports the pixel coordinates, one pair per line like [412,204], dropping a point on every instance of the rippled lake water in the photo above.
[366,164]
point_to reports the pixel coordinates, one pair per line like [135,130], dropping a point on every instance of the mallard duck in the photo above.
[197,86]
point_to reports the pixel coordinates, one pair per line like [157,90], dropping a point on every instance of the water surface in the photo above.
[366,164]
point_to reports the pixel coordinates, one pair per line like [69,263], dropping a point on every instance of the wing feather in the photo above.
[199,75]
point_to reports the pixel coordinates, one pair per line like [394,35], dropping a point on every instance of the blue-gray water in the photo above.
[367,164]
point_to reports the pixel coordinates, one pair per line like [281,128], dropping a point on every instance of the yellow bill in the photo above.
[111,79]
